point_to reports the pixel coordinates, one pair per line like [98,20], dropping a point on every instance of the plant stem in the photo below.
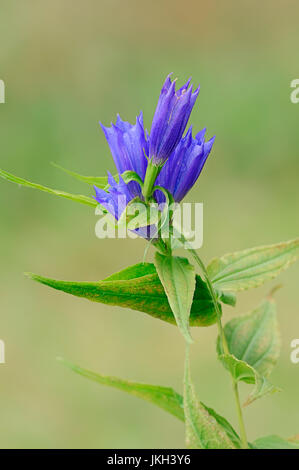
[149,180]
[224,346]
[214,298]
[240,415]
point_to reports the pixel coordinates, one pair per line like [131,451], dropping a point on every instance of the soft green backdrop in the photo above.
[67,64]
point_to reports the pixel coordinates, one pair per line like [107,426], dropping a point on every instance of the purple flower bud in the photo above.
[184,166]
[170,120]
[128,146]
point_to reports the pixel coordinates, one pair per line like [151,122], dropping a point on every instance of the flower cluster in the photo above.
[177,160]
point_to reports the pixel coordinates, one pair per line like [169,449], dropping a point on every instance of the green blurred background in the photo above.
[67,65]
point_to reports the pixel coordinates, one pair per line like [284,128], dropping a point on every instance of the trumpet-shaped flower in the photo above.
[132,149]
[170,120]
[182,169]
[129,148]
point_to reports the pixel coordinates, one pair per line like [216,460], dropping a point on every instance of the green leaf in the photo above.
[177,276]
[139,288]
[167,194]
[99,181]
[129,176]
[275,442]
[225,425]
[203,430]
[132,272]
[252,267]
[228,298]
[241,371]
[165,227]
[137,214]
[164,397]
[254,338]
[73,197]
[254,344]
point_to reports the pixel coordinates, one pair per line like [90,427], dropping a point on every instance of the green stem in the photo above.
[149,180]
[240,416]
[214,298]
[224,346]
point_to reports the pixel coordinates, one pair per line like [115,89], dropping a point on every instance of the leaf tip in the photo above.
[32,276]
[65,362]
[28,274]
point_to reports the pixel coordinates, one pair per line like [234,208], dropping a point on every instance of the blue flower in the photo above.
[116,200]
[132,149]
[170,120]
[129,148]
[184,166]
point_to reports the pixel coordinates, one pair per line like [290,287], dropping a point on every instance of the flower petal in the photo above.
[129,147]
[184,166]
[170,119]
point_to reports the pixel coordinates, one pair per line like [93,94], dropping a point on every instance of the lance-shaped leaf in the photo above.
[164,397]
[275,442]
[99,181]
[241,371]
[73,197]
[203,430]
[254,338]
[178,279]
[139,288]
[133,272]
[252,267]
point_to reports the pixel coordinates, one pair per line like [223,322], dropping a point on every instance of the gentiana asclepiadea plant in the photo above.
[161,167]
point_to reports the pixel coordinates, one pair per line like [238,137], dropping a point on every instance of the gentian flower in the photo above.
[178,160]
[116,200]
[128,146]
[182,169]
[170,120]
